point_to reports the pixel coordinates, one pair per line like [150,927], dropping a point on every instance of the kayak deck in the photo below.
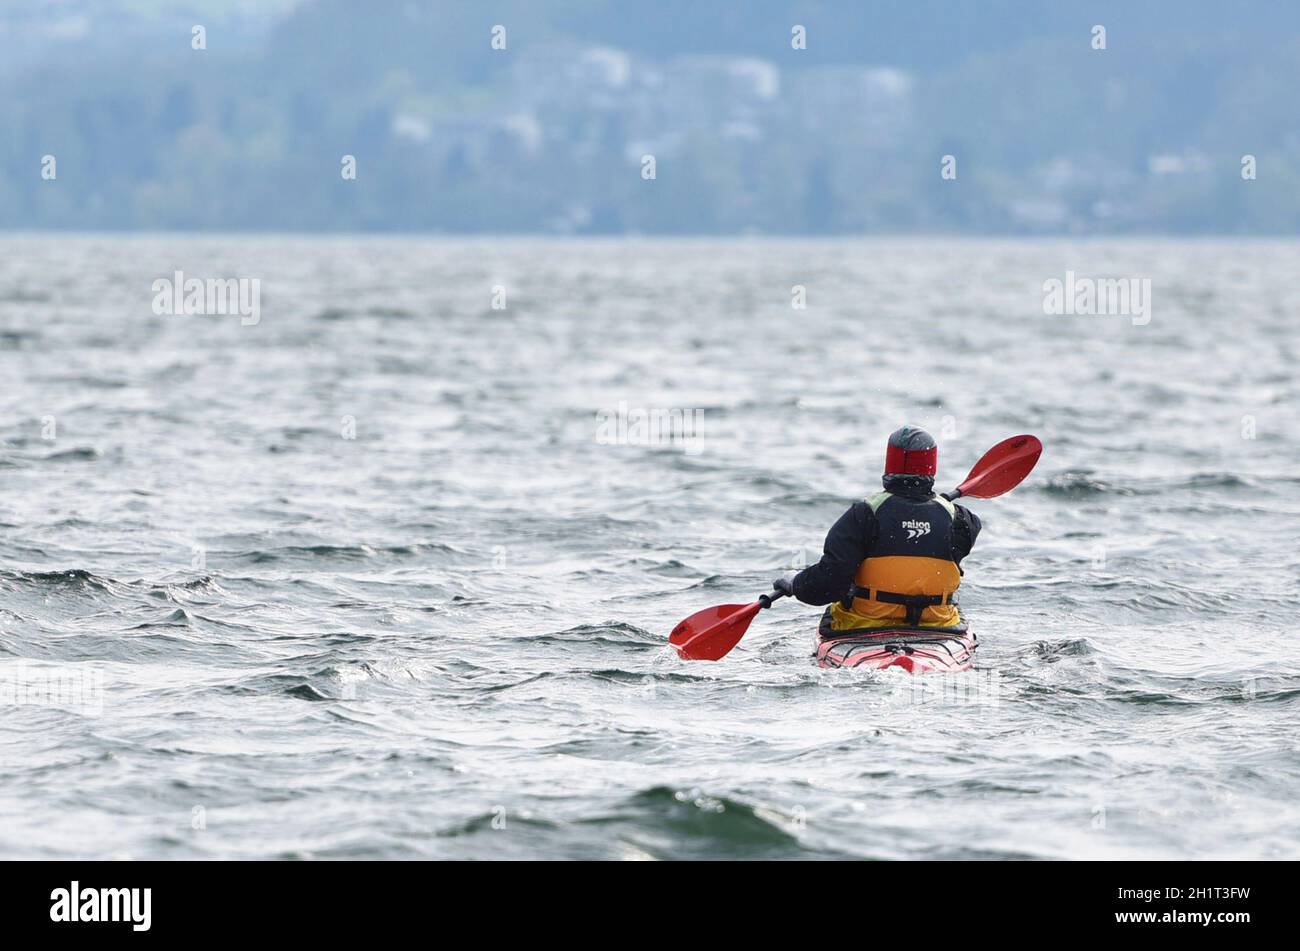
[915,650]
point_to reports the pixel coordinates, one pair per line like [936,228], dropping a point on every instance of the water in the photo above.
[365,580]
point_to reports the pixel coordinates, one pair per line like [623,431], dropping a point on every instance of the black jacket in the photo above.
[848,543]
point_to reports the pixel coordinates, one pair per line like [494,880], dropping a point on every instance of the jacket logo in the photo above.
[916,529]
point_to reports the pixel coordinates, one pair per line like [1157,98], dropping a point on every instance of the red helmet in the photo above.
[911,451]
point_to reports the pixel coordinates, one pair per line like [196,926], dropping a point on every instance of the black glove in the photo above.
[785,586]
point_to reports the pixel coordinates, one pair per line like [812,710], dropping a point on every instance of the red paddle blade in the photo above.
[1003,467]
[710,634]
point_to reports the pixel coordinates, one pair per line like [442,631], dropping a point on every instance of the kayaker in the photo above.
[893,560]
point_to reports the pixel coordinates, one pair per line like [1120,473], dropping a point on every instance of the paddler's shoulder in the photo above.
[863,511]
[873,502]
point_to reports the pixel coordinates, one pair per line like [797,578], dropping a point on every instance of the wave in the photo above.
[609,634]
[72,578]
[79,454]
[359,552]
[690,823]
[1082,484]
[1076,485]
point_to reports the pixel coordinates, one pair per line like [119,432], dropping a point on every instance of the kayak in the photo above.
[911,649]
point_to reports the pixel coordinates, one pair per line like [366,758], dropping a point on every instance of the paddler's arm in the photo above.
[965,529]
[846,546]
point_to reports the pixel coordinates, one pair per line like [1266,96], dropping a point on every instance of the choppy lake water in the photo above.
[369,579]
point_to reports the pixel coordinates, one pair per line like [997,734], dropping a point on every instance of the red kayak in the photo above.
[915,650]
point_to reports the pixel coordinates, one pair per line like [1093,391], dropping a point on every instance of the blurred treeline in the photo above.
[749,135]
